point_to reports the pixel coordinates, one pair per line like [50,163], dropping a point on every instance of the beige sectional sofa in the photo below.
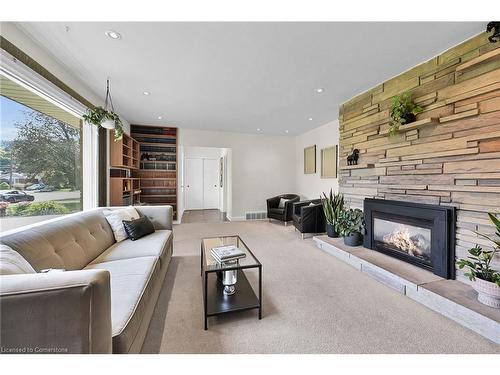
[101,303]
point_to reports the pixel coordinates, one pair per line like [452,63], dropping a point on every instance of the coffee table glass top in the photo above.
[210,264]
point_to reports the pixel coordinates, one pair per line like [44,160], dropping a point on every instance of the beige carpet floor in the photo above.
[312,303]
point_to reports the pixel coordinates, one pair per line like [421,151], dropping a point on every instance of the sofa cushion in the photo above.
[277,211]
[132,281]
[12,263]
[155,244]
[70,242]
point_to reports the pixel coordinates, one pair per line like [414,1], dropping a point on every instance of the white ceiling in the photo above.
[241,76]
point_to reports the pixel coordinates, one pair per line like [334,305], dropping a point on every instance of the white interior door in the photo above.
[210,183]
[194,184]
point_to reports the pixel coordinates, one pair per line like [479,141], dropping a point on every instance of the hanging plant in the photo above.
[403,111]
[108,119]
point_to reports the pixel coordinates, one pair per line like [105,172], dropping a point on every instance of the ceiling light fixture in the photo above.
[146,93]
[319,90]
[258,129]
[310,118]
[286,131]
[113,34]
[159,117]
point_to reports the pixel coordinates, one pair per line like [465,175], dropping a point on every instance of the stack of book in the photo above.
[227,253]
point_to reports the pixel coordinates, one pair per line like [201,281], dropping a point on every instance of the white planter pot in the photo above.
[487,293]
[108,124]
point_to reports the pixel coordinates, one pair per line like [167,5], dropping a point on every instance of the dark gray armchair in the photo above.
[285,213]
[308,217]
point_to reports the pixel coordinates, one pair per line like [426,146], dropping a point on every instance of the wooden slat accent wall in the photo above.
[451,158]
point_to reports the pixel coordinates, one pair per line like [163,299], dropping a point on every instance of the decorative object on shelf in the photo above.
[486,280]
[352,159]
[403,111]
[333,205]
[352,226]
[310,160]
[495,27]
[329,162]
[105,118]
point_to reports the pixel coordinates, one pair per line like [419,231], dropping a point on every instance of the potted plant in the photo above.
[352,226]
[485,280]
[107,119]
[333,205]
[403,111]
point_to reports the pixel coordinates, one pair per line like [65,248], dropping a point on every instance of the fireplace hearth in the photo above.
[420,234]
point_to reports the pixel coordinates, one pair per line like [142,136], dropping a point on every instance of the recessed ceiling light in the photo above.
[319,90]
[258,129]
[159,117]
[113,34]
[310,118]
[286,131]
[146,93]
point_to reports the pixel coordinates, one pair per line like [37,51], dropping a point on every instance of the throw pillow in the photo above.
[282,202]
[12,263]
[312,204]
[138,228]
[115,219]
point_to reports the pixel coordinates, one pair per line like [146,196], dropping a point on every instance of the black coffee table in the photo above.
[215,302]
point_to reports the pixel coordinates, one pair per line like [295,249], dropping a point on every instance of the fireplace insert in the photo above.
[420,234]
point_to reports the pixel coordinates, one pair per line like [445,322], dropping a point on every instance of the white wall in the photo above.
[311,186]
[259,166]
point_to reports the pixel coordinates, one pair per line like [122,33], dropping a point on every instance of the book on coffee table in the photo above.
[227,253]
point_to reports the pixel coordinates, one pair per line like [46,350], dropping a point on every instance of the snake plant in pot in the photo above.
[333,205]
[352,226]
[485,280]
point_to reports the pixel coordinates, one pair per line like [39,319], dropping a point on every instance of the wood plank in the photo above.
[473,166]
[489,145]
[458,116]
[487,56]
[478,189]
[490,105]
[433,147]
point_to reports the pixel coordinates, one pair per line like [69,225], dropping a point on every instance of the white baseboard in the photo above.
[236,218]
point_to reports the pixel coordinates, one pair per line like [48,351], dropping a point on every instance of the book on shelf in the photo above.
[227,253]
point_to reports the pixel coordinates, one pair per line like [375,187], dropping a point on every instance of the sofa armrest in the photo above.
[298,206]
[56,312]
[161,216]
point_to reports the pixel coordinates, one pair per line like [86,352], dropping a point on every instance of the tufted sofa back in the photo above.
[69,242]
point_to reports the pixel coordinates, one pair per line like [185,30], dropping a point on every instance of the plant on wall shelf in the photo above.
[486,280]
[108,119]
[403,111]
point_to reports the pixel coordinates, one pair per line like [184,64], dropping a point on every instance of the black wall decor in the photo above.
[352,159]
[439,220]
[495,27]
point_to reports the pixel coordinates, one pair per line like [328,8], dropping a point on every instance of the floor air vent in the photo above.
[255,215]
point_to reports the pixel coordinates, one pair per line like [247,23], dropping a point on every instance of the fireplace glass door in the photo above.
[411,240]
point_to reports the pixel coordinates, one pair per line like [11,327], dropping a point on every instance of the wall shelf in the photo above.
[357,166]
[414,125]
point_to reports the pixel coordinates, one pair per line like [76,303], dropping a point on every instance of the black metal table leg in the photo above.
[205,300]
[260,292]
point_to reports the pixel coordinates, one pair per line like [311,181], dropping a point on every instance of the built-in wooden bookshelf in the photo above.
[124,153]
[157,164]
[124,191]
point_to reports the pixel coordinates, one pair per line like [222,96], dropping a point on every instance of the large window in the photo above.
[40,158]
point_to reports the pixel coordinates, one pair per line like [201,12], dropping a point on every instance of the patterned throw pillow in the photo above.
[12,263]
[115,219]
[282,202]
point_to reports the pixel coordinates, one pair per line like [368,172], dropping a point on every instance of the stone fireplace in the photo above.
[420,234]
